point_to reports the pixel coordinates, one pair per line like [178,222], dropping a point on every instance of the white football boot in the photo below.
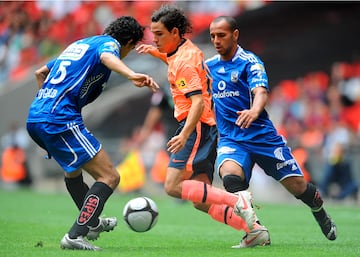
[244,209]
[256,237]
[105,225]
[78,243]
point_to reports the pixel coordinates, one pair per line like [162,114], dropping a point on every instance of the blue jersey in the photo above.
[233,82]
[77,77]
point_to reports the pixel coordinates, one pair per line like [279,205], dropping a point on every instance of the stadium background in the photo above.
[300,42]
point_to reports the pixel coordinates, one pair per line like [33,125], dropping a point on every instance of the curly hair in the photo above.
[124,29]
[172,17]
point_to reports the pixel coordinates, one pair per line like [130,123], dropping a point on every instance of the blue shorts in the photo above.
[199,152]
[71,148]
[275,159]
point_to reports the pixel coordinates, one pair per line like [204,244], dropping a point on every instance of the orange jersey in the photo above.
[187,73]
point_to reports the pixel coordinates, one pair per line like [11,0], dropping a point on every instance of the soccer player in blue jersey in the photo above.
[246,134]
[66,84]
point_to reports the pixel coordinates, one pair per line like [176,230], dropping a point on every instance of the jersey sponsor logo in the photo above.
[226,94]
[74,52]
[88,210]
[181,83]
[223,93]
[46,93]
[221,85]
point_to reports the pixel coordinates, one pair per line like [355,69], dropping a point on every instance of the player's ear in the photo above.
[236,34]
[175,31]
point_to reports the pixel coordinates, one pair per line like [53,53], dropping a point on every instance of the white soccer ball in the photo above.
[141,214]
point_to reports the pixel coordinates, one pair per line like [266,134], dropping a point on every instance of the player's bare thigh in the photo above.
[101,169]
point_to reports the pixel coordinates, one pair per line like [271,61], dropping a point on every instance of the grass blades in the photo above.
[32,224]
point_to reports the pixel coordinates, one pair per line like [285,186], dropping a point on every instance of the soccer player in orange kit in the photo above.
[193,148]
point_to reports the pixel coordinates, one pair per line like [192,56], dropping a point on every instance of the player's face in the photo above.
[166,41]
[223,39]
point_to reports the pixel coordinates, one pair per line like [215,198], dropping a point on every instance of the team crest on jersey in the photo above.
[234,76]
[181,83]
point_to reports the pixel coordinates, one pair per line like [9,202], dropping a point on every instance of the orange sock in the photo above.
[200,192]
[224,214]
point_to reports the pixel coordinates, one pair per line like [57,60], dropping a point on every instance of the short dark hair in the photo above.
[124,29]
[229,20]
[172,17]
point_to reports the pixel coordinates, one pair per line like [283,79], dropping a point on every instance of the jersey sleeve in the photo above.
[109,47]
[257,76]
[188,80]
[51,63]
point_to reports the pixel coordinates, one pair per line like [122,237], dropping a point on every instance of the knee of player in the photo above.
[295,185]
[113,179]
[116,178]
[234,183]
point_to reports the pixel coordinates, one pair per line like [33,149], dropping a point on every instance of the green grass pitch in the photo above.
[32,224]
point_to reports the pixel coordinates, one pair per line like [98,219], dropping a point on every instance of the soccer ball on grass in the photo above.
[141,214]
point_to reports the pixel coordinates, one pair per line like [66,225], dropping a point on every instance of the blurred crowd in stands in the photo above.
[318,112]
[33,31]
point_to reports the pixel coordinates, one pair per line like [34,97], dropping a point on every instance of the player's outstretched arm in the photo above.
[152,50]
[138,79]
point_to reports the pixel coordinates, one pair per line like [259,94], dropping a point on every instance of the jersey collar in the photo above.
[173,52]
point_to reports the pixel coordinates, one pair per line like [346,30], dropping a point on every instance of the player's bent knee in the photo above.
[116,179]
[234,183]
[112,180]
[295,185]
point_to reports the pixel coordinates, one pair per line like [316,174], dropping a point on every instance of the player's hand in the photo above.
[143,80]
[176,143]
[152,50]
[146,49]
[40,75]
[246,117]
